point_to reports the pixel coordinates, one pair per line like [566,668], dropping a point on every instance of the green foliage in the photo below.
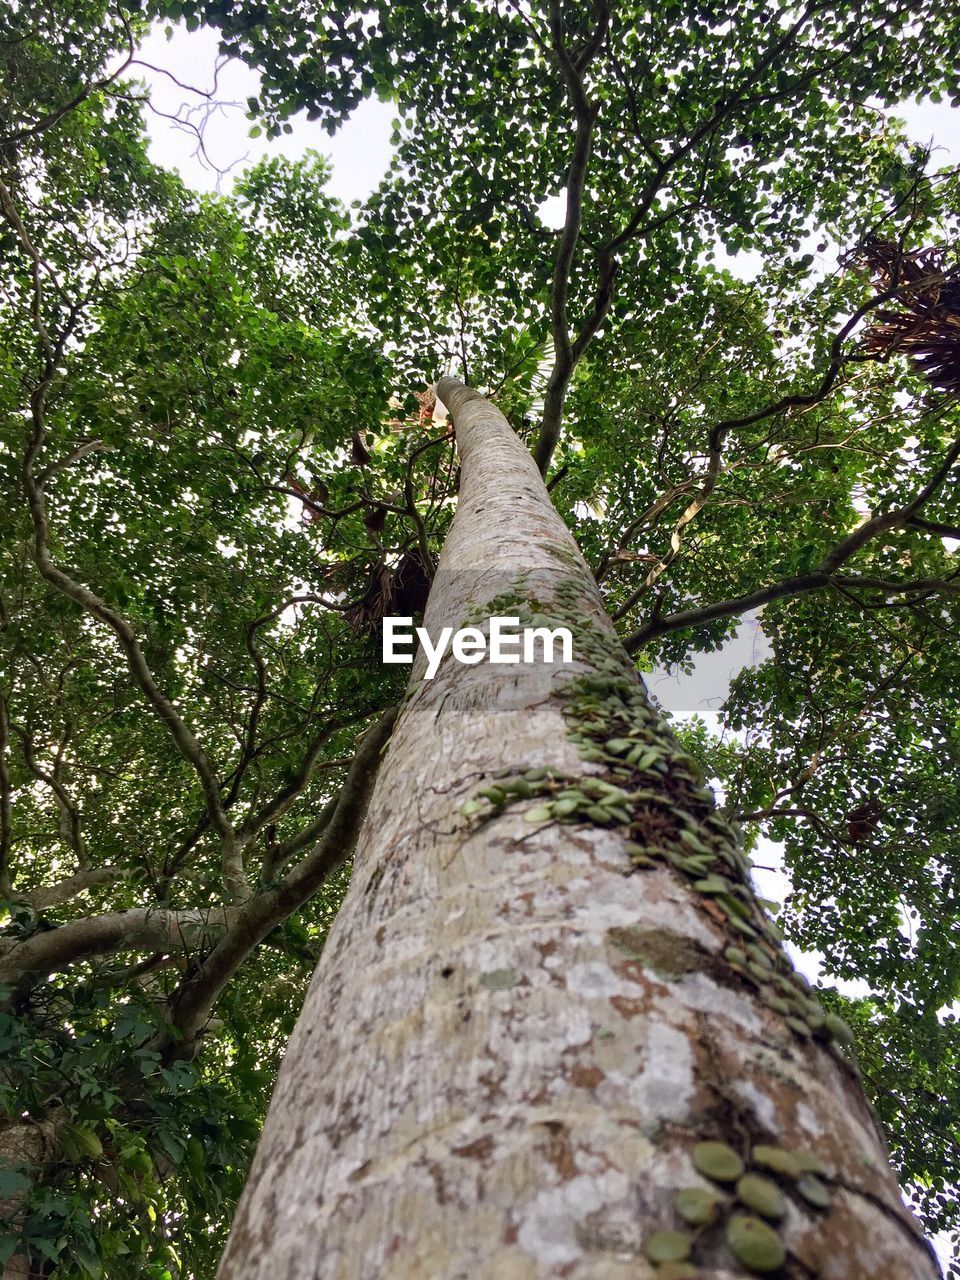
[214,377]
[909,1056]
[144,1162]
[235,461]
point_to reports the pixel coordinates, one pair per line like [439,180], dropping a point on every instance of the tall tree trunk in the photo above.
[530,1031]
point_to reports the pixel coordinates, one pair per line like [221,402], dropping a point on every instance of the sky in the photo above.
[360,153]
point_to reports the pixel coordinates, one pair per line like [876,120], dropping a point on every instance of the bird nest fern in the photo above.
[925,326]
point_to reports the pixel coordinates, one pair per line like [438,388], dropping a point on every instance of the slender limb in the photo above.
[891,519]
[191,1004]
[70,825]
[651,513]
[54,117]
[275,808]
[798,812]
[81,451]
[54,895]
[825,573]
[689,513]
[569,352]
[843,551]
[585,117]
[933,526]
[308,835]
[919,586]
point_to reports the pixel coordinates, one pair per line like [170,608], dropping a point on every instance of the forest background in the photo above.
[228,369]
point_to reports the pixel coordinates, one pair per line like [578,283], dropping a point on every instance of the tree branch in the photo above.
[823,575]
[934,526]
[192,1002]
[697,617]
[585,115]
[569,354]
[281,802]
[654,510]
[81,451]
[798,812]
[924,586]
[690,512]
[55,894]
[308,835]
[24,964]
[890,519]
[54,117]
[71,832]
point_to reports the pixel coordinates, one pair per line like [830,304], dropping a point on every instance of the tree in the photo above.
[237,482]
[516,1060]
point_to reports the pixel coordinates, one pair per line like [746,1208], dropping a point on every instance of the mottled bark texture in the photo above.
[525,1025]
[27,1143]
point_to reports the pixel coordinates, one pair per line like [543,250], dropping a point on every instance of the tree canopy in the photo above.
[221,466]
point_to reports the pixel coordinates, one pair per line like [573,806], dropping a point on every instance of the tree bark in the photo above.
[521,1030]
[23,1146]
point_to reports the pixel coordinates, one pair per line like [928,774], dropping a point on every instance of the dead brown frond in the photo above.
[376,602]
[926,326]
[400,591]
